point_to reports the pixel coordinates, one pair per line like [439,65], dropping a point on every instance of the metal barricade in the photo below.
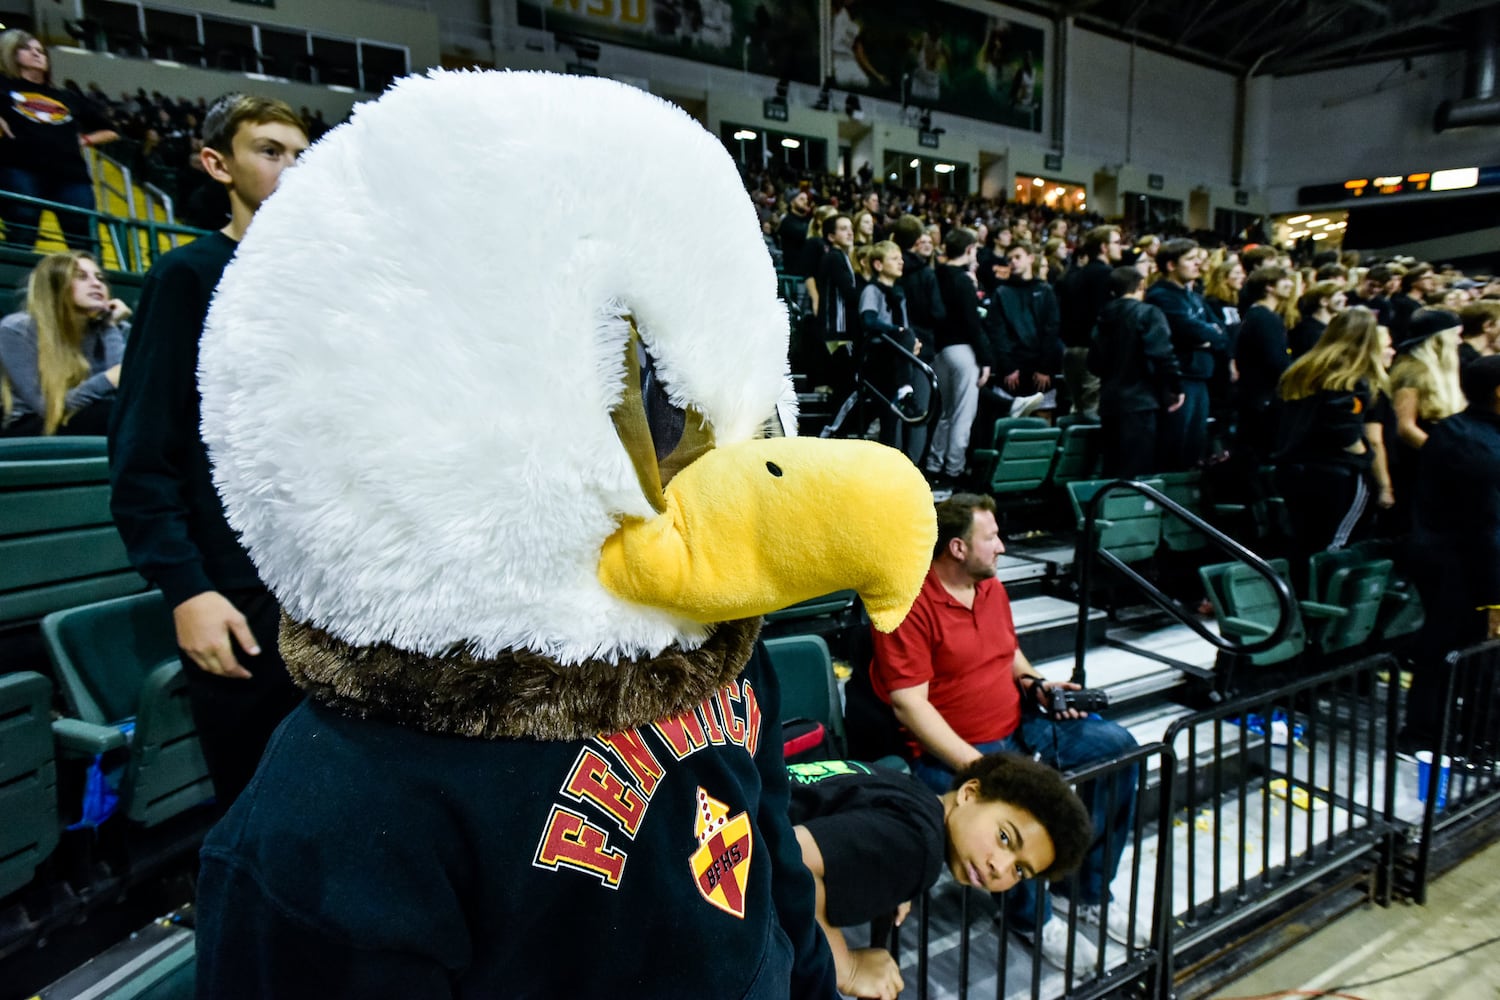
[1278,790]
[964,948]
[1464,783]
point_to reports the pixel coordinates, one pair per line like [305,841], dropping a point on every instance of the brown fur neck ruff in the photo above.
[518,694]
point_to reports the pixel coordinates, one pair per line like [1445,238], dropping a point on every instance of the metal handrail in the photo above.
[116,228]
[1087,548]
[933,405]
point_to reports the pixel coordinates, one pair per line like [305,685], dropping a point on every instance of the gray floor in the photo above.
[1373,943]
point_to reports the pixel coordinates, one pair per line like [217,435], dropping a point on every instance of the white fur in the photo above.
[409,365]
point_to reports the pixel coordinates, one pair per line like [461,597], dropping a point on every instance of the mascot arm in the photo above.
[813,974]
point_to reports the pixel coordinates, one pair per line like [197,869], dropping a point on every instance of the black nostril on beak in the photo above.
[773,469]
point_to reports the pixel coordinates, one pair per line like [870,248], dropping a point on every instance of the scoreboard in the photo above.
[1419,182]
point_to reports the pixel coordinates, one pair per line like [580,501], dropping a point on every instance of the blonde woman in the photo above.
[1424,380]
[1328,448]
[60,358]
[864,228]
[1424,390]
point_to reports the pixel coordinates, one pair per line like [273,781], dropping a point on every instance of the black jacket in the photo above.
[960,323]
[1456,518]
[1132,355]
[1024,321]
[1081,296]
[1195,335]
[162,494]
[925,308]
[1261,354]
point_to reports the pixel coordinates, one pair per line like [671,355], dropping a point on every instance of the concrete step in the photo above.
[1046,626]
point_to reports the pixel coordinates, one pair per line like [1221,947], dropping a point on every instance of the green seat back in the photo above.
[58,543]
[1401,610]
[1024,459]
[1005,425]
[809,689]
[1078,454]
[1248,598]
[1359,588]
[817,607]
[116,660]
[1128,524]
[1186,488]
[28,779]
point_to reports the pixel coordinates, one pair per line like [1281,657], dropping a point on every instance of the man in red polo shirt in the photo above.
[954,674]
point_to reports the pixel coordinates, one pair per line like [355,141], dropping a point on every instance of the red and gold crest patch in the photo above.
[721,864]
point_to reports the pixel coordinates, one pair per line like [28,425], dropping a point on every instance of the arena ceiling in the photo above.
[1278,37]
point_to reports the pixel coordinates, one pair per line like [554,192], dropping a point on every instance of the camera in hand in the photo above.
[1084,700]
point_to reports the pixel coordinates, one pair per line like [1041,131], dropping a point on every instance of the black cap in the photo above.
[1427,323]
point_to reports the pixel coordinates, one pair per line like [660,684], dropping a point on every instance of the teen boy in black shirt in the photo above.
[875,839]
[162,496]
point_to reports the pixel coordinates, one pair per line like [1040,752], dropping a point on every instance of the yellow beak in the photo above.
[753,527]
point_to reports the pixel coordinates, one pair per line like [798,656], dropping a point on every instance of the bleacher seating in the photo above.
[28,779]
[117,663]
[58,544]
[1020,457]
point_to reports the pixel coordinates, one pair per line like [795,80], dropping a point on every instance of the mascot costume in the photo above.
[494,428]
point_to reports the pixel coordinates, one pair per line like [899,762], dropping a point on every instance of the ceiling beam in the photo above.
[1441,11]
[1249,34]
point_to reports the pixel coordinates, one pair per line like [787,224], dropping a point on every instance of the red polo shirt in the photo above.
[963,655]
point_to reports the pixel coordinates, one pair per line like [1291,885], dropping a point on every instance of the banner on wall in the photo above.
[947,58]
[776,38]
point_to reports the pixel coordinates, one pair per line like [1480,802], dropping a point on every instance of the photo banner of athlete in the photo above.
[776,38]
[949,58]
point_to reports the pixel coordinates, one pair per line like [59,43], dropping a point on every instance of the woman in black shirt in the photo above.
[1325,448]
[42,133]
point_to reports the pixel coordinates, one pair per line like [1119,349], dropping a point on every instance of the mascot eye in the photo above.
[665,419]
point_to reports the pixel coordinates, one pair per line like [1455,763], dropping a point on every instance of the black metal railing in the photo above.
[1465,780]
[963,936]
[865,391]
[135,242]
[1279,789]
[1088,549]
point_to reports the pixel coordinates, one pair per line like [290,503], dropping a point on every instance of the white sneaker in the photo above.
[1118,927]
[1023,405]
[1053,942]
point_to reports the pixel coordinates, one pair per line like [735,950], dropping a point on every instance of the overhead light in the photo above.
[1039,182]
[791,143]
[944,168]
[1317,222]
[1297,235]
[915,162]
[1059,190]
[1381,182]
[744,134]
[1454,180]
[1083,204]
[1296,219]
[1320,236]
[1339,225]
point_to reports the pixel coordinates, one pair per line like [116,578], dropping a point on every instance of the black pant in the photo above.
[1129,444]
[1325,502]
[235,718]
[91,420]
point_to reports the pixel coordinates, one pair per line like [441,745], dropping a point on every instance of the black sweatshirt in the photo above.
[377,861]
[162,494]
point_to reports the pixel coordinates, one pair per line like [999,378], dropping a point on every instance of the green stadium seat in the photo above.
[1078,454]
[1186,488]
[58,543]
[1347,589]
[1020,461]
[817,607]
[1248,610]
[28,779]
[1128,524]
[117,661]
[809,689]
